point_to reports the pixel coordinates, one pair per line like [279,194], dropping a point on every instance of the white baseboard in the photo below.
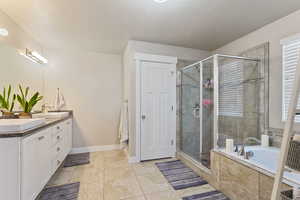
[132,159]
[95,148]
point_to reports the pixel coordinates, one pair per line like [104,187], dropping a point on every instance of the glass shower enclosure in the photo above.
[221,97]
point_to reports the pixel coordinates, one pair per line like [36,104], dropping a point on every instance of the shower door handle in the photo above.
[196,112]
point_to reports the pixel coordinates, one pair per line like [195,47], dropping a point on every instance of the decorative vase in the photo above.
[24,115]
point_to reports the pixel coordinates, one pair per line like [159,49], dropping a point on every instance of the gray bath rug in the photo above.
[213,195]
[62,192]
[77,159]
[179,175]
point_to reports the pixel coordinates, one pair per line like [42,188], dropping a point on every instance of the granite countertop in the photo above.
[49,122]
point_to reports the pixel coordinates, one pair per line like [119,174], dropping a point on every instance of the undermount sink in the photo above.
[51,115]
[19,125]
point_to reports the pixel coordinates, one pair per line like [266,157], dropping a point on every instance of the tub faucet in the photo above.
[241,152]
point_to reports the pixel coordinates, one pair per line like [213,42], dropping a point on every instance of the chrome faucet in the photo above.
[45,108]
[247,154]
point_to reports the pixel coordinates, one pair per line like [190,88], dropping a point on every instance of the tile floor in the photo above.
[109,176]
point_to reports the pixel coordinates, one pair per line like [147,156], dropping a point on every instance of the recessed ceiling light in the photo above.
[160,1]
[3,32]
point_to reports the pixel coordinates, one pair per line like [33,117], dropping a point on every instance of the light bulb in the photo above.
[160,1]
[3,32]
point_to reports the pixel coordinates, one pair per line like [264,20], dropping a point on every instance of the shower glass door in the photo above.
[207,111]
[190,112]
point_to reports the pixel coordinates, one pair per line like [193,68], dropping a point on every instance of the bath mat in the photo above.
[77,159]
[213,195]
[179,175]
[62,192]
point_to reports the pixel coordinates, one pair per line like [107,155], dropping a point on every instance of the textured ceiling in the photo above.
[107,25]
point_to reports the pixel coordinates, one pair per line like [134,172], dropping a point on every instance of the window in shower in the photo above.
[231,89]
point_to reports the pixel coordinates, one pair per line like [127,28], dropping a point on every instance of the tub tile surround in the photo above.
[107,177]
[276,135]
[241,182]
[236,180]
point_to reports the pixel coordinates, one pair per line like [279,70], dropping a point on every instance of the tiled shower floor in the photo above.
[109,176]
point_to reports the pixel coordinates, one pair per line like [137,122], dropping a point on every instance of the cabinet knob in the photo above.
[58,137]
[57,127]
[58,149]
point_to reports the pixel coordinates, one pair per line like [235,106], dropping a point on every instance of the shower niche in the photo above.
[221,97]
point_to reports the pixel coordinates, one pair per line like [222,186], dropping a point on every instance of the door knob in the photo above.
[143,117]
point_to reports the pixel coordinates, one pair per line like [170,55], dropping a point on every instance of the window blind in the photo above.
[231,89]
[290,55]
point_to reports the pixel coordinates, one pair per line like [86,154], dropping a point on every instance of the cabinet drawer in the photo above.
[57,136]
[58,127]
[57,149]
[57,161]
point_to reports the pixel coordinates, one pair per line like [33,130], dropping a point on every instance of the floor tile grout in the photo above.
[110,163]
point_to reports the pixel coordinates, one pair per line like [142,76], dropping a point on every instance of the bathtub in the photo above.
[265,160]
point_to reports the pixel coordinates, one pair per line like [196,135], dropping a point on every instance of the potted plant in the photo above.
[7,103]
[27,105]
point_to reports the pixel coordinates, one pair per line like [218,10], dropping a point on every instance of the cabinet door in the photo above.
[35,169]
[44,156]
[69,135]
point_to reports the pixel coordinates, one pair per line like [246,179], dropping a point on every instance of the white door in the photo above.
[158,111]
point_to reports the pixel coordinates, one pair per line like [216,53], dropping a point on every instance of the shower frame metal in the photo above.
[215,60]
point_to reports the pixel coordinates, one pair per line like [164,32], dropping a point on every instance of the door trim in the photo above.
[139,58]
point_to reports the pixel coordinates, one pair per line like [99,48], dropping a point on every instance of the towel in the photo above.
[59,101]
[124,127]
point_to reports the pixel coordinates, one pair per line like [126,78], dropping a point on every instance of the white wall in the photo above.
[17,37]
[168,50]
[92,86]
[271,33]
[129,83]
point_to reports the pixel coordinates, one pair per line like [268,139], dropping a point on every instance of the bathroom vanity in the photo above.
[30,158]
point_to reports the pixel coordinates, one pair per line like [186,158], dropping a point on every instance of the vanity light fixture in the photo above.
[34,56]
[3,32]
[160,1]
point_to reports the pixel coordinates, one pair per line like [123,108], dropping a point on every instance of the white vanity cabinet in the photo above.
[61,143]
[28,162]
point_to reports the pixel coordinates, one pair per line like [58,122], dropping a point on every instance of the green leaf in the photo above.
[4,93]
[1,101]
[26,91]
[12,107]
[13,103]
[21,102]
[26,107]
[21,90]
